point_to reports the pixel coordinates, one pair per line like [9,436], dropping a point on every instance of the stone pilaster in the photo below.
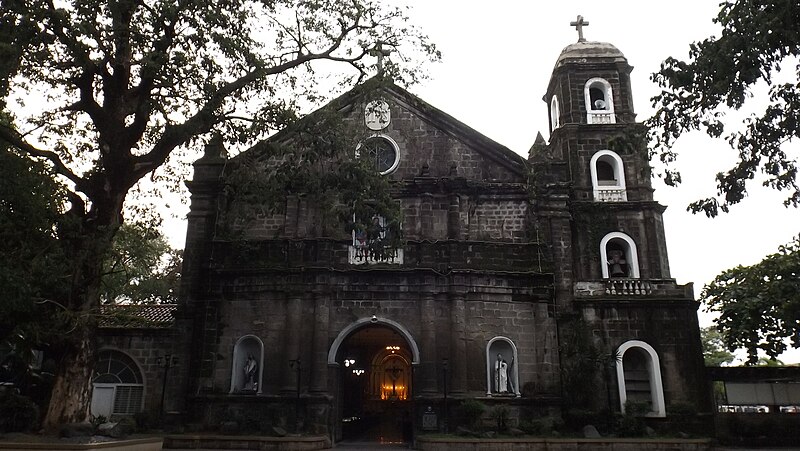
[319,364]
[458,344]
[292,340]
[427,319]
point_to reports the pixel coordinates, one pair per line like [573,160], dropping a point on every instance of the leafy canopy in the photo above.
[714,349]
[759,38]
[108,91]
[759,305]
[141,268]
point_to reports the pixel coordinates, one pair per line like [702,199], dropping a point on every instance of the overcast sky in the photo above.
[497,60]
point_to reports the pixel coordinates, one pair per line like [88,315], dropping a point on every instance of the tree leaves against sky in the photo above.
[759,305]
[759,38]
[123,85]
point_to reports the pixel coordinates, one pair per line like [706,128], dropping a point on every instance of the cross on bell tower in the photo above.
[579,24]
[381,53]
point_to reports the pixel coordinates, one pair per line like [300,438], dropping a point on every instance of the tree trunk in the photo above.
[71,397]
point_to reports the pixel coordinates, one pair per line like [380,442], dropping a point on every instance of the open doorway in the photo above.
[375,385]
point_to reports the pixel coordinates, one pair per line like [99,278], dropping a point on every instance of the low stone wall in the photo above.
[144,444]
[187,441]
[551,444]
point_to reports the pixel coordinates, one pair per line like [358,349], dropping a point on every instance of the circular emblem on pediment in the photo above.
[377,115]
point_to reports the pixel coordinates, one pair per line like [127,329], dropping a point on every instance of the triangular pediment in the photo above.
[430,142]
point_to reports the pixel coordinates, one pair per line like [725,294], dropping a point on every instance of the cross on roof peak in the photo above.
[381,53]
[579,24]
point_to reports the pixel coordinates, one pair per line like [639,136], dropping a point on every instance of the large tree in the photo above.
[759,305]
[122,84]
[758,39]
[759,42]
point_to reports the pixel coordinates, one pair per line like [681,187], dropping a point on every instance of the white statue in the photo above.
[500,375]
[251,373]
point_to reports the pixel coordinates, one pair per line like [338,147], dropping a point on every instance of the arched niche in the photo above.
[619,250]
[608,176]
[599,100]
[501,351]
[554,113]
[639,377]
[373,321]
[248,365]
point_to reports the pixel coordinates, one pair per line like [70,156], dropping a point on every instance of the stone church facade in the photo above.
[540,284]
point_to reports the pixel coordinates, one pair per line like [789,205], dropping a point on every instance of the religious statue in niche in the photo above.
[617,265]
[502,369]
[250,373]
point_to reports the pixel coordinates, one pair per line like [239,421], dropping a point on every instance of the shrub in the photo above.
[630,424]
[499,414]
[542,426]
[470,413]
[17,413]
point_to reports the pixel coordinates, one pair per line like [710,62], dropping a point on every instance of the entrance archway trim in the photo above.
[373,321]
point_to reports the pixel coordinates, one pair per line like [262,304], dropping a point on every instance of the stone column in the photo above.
[292,340]
[458,343]
[427,319]
[319,365]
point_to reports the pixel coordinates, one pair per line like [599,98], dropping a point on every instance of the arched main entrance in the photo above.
[375,360]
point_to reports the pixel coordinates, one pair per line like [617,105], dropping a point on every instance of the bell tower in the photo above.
[616,227]
[593,200]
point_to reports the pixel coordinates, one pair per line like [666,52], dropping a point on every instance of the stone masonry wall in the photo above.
[670,327]
[144,347]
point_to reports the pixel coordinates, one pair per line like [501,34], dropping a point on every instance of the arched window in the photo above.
[599,102]
[118,386]
[502,374]
[554,113]
[639,377]
[618,256]
[248,365]
[608,177]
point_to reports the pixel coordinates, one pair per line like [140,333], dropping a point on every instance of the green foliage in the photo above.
[500,415]
[714,352]
[581,360]
[759,305]
[17,413]
[469,413]
[32,263]
[758,38]
[630,423]
[97,420]
[542,426]
[126,87]
[141,268]
[314,161]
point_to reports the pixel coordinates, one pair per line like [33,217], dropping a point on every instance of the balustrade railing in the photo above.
[628,287]
[610,195]
[601,118]
[360,255]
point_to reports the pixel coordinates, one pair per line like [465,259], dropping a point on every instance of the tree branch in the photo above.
[13,137]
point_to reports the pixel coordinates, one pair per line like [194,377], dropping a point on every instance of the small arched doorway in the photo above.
[375,361]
